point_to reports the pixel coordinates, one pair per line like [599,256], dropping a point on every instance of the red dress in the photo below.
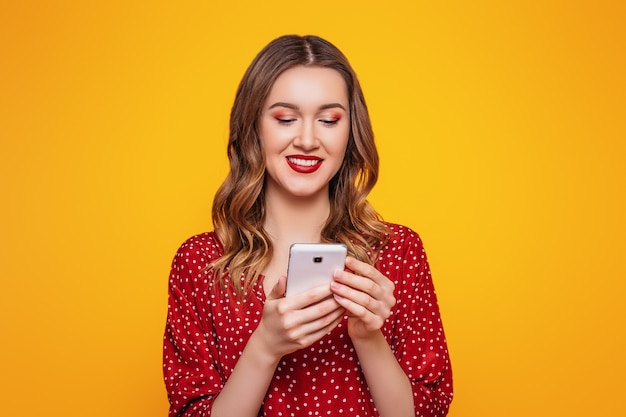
[207,329]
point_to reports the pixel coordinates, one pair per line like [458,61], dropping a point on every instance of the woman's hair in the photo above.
[239,204]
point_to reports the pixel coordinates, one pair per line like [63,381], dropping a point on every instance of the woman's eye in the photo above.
[329,122]
[285,120]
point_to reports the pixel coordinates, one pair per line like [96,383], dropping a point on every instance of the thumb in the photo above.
[278,291]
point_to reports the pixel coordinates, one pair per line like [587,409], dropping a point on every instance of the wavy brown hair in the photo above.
[239,204]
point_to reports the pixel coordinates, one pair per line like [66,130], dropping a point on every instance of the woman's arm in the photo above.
[194,377]
[246,387]
[387,382]
[407,368]
[288,324]
[368,296]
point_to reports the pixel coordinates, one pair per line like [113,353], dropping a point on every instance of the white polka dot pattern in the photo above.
[207,329]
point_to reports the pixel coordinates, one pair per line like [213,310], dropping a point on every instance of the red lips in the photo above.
[304,164]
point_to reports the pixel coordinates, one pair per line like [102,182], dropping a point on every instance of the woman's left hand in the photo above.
[367,296]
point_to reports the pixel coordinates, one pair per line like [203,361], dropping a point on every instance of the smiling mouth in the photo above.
[304,165]
[304,162]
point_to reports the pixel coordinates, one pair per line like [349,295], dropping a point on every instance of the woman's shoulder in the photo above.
[205,246]
[403,258]
[399,233]
[400,241]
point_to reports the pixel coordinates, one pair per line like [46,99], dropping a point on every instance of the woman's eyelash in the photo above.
[289,120]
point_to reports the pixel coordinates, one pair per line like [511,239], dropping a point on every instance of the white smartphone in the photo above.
[313,264]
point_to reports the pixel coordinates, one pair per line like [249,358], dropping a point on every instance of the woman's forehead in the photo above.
[300,86]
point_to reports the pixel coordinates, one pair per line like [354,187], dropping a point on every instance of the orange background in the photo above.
[502,131]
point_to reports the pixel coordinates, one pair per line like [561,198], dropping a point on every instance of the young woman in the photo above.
[302,162]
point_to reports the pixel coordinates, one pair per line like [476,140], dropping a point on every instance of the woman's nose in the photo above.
[306,137]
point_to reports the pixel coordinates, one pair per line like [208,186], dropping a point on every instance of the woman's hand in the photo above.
[296,322]
[366,294]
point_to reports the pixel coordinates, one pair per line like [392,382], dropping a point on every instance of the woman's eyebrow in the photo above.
[283,104]
[294,107]
[332,106]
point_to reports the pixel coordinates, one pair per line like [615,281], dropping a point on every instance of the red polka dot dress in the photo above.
[208,328]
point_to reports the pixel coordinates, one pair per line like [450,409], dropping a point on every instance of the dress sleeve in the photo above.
[419,342]
[191,376]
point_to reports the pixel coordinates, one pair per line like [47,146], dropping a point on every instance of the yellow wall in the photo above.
[502,133]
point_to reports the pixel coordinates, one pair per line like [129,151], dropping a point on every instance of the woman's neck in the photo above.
[290,219]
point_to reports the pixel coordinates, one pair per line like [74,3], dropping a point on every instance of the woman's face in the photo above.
[304,130]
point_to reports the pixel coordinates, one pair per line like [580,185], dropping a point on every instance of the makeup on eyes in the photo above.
[279,114]
[335,117]
[282,116]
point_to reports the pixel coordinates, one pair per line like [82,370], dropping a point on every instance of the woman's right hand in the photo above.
[288,324]
[296,322]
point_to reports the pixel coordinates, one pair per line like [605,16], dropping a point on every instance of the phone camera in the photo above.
[317,259]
